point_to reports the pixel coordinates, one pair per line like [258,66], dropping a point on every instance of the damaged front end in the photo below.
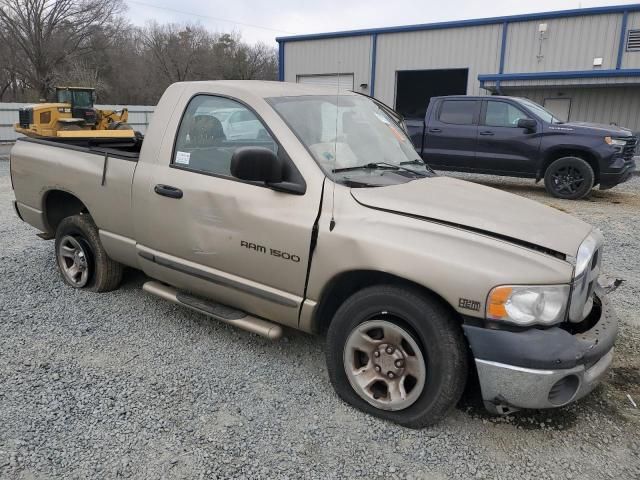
[551,366]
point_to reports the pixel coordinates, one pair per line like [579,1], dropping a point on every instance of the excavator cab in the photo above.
[81,101]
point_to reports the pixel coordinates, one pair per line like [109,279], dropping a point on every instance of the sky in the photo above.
[265,20]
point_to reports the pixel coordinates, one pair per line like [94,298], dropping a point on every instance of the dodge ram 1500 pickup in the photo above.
[324,218]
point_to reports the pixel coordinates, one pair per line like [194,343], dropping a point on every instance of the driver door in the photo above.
[204,231]
[503,147]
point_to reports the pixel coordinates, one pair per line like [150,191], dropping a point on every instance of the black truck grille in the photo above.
[25,117]
[629,150]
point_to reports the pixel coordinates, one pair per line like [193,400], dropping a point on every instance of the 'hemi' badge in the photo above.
[469,304]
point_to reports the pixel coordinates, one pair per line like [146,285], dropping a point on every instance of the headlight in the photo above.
[528,305]
[585,252]
[616,142]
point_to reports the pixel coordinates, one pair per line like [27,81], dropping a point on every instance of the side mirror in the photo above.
[256,164]
[528,124]
[259,164]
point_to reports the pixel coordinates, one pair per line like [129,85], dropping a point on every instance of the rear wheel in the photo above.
[82,261]
[398,354]
[570,178]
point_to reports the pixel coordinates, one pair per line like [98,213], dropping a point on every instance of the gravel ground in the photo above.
[126,385]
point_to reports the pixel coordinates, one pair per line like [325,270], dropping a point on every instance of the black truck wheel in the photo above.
[569,177]
[398,354]
[82,260]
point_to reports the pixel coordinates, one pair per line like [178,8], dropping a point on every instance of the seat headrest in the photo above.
[206,130]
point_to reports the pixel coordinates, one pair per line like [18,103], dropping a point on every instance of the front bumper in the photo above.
[542,368]
[611,177]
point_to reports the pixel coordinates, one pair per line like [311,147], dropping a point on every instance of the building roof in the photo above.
[467,23]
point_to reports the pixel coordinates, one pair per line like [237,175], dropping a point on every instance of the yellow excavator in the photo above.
[73,117]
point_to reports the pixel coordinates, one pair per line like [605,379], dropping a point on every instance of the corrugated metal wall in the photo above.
[569,44]
[330,56]
[475,48]
[139,118]
[617,105]
[631,59]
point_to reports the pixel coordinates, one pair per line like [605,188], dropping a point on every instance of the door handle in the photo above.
[486,133]
[435,130]
[168,191]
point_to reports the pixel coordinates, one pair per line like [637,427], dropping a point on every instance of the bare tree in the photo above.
[260,62]
[176,51]
[47,34]
[89,43]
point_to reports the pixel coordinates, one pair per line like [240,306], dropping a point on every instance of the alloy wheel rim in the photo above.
[567,179]
[73,261]
[384,365]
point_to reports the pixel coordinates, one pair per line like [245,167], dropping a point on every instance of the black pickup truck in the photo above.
[516,137]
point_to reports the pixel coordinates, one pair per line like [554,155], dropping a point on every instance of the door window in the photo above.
[458,112]
[212,128]
[502,114]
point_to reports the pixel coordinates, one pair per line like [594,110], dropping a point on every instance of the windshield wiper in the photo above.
[368,166]
[380,165]
[417,161]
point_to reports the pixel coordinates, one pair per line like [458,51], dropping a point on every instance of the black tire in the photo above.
[570,178]
[435,330]
[104,274]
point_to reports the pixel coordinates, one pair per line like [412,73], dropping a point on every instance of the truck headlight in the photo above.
[528,305]
[615,142]
[586,251]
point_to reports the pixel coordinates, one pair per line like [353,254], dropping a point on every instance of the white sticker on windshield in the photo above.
[183,157]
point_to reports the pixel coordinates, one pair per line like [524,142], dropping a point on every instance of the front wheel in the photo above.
[398,354]
[570,178]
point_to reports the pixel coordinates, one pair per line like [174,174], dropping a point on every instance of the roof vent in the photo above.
[633,41]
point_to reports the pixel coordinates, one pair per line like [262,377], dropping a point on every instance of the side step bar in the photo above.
[220,312]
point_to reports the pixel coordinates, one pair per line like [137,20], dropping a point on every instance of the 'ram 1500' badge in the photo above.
[271,251]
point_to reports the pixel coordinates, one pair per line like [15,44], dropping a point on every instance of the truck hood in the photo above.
[482,209]
[593,128]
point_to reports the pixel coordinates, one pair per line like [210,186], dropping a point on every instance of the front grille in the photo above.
[25,117]
[629,150]
[583,288]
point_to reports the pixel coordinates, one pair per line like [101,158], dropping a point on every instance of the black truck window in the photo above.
[502,114]
[458,112]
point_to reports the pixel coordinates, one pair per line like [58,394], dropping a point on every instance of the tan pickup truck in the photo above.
[266,204]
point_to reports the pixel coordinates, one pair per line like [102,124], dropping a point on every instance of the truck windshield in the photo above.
[346,132]
[541,112]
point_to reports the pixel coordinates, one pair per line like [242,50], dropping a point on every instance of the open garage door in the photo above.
[344,80]
[414,88]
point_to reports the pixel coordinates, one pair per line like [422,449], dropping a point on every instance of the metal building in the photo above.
[581,64]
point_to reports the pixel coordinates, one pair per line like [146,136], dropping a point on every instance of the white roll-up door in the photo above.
[344,81]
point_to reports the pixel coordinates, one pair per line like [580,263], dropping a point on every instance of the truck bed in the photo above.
[128,149]
[97,172]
